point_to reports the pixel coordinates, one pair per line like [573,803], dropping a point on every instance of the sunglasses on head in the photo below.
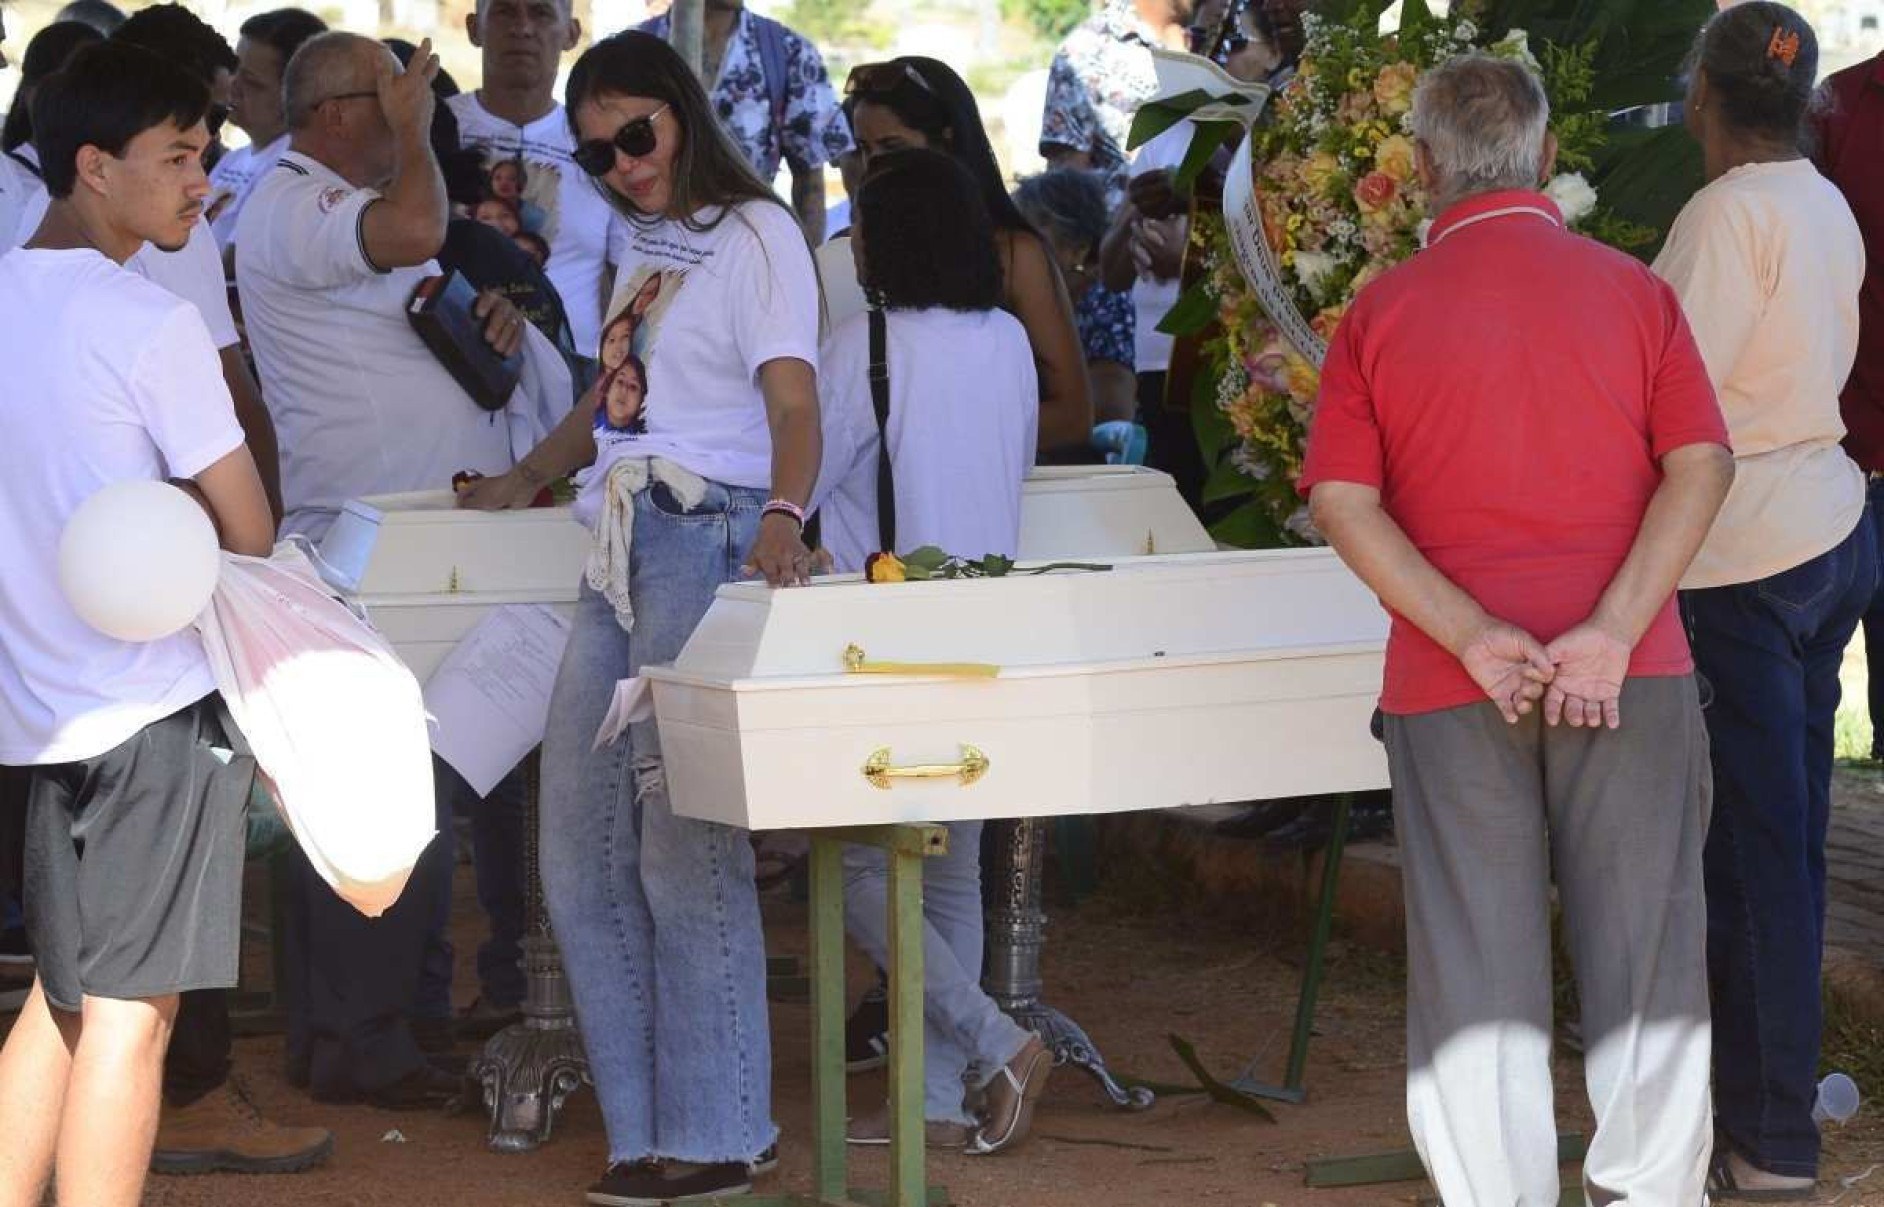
[877,79]
[635,139]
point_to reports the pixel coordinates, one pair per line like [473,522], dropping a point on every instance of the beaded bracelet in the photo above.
[784,507]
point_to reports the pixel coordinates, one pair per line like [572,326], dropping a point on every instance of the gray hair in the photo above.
[1483,121]
[326,65]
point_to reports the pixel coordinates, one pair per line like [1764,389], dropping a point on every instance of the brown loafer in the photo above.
[1011,1095]
[874,1129]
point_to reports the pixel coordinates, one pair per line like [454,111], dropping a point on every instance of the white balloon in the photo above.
[138,560]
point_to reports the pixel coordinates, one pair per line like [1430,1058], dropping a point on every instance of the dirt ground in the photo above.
[1132,975]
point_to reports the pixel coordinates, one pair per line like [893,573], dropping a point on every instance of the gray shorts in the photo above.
[133,878]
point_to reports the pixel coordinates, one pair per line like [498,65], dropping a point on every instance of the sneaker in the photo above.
[874,1129]
[658,1183]
[223,1131]
[764,1163]
[1011,1095]
[867,1033]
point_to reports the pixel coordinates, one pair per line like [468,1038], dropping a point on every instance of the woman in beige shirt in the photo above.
[1768,262]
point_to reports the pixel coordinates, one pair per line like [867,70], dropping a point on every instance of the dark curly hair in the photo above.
[946,114]
[181,37]
[927,240]
[1761,61]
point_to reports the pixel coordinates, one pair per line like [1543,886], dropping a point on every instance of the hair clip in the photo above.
[1784,46]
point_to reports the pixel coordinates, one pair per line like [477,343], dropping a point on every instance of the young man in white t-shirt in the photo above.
[528,148]
[134,845]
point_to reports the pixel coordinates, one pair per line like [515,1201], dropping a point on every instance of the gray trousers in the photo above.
[1486,812]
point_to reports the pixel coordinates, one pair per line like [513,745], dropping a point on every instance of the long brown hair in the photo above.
[709,170]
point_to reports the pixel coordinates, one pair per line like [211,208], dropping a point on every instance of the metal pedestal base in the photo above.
[529,1069]
[1016,934]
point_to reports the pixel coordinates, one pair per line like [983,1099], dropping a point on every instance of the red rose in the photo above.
[1376,191]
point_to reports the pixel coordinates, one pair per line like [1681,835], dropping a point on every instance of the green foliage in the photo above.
[1051,19]
[838,23]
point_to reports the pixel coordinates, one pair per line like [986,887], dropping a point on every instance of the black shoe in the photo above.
[653,1184]
[867,1033]
[764,1163]
[433,1035]
[424,1088]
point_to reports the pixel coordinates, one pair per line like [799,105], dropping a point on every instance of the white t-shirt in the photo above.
[553,199]
[360,404]
[193,272]
[703,310]
[964,414]
[1152,297]
[17,189]
[109,379]
[233,180]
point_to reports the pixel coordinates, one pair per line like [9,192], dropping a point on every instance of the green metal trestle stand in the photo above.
[907,846]
[1293,1089]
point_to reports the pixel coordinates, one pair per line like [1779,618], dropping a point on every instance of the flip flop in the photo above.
[1026,1085]
[1722,1186]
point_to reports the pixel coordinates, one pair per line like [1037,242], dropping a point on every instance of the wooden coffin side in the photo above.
[1145,734]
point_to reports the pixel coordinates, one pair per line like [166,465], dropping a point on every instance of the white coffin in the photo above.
[426,572]
[1169,680]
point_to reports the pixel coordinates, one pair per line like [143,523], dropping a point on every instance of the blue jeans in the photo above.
[657,915]
[1771,650]
[961,1024]
[497,859]
[1874,629]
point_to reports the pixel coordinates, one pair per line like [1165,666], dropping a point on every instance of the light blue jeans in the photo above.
[961,1024]
[657,915]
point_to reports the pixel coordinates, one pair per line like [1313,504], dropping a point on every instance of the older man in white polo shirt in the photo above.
[334,241]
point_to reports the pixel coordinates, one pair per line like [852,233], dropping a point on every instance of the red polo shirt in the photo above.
[1849,149]
[1510,391]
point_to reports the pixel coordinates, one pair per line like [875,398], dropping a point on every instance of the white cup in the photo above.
[1837,1101]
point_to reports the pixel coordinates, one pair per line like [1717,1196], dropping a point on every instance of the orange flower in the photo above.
[1393,88]
[884,568]
[1375,192]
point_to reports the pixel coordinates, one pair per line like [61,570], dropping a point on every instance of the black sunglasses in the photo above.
[878,79]
[635,139]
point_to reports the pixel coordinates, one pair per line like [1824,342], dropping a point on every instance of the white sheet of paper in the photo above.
[489,699]
[632,702]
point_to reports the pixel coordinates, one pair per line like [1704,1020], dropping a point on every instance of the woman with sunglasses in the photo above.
[658,915]
[919,102]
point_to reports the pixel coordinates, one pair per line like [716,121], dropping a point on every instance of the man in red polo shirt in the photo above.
[1516,446]
[1848,135]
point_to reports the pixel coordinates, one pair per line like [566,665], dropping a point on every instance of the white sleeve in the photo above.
[194,273]
[316,236]
[845,416]
[773,297]
[177,387]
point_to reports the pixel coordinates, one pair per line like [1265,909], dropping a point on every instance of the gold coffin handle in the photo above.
[878,770]
[856,663]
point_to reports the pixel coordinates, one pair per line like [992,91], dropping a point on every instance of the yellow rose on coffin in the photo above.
[1395,157]
[884,568]
[1393,88]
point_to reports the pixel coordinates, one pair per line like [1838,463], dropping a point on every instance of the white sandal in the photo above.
[1025,1086]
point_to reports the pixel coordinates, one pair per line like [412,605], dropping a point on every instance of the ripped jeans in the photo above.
[657,916]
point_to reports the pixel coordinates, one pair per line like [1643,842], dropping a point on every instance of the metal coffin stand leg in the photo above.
[1016,934]
[529,1069]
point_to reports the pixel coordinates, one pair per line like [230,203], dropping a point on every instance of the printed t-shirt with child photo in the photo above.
[696,313]
[540,200]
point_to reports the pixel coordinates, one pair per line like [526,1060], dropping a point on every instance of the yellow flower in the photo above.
[1301,378]
[1393,88]
[1320,171]
[1394,156]
[884,568]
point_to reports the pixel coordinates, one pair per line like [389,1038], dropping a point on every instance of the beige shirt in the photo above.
[1767,261]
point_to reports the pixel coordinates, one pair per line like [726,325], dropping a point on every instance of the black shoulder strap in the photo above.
[771,36]
[880,400]
[26,163]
